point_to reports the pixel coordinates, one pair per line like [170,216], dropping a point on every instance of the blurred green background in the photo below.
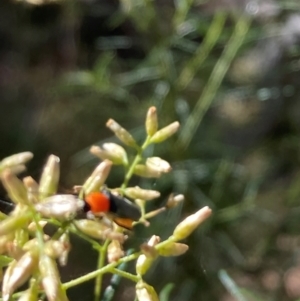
[228,70]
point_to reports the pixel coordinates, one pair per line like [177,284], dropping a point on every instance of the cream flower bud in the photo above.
[60,206]
[98,230]
[188,225]
[14,250]
[146,172]
[158,164]
[63,257]
[4,241]
[14,187]
[165,132]
[17,169]
[98,177]
[33,226]
[51,279]
[32,189]
[121,133]
[5,290]
[174,200]
[151,121]
[173,249]
[112,152]
[145,292]
[153,241]
[12,223]
[55,248]
[31,244]
[16,159]
[145,260]
[139,193]
[19,272]
[114,251]
[50,177]
[143,264]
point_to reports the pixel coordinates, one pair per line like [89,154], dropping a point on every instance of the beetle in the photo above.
[122,211]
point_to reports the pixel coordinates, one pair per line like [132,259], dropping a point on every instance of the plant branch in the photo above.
[107,269]
[214,82]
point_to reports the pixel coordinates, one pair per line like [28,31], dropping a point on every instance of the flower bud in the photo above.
[112,152]
[174,200]
[5,280]
[32,189]
[15,188]
[51,280]
[145,260]
[153,241]
[50,177]
[158,164]
[4,241]
[139,193]
[98,230]
[145,292]
[143,264]
[13,223]
[146,172]
[114,251]
[30,244]
[14,250]
[65,240]
[98,177]
[173,249]
[151,121]
[188,225]
[33,227]
[55,248]
[14,160]
[19,272]
[34,243]
[165,132]
[17,169]
[60,206]
[121,133]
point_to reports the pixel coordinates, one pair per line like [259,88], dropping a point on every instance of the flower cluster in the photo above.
[28,253]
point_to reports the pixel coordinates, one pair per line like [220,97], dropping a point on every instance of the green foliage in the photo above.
[229,74]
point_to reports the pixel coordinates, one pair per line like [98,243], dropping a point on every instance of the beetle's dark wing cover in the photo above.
[124,208]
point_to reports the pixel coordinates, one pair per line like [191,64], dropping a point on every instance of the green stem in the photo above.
[72,228]
[106,269]
[165,242]
[214,82]
[136,160]
[61,230]
[39,233]
[211,37]
[125,274]
[101,262]
[129,173]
